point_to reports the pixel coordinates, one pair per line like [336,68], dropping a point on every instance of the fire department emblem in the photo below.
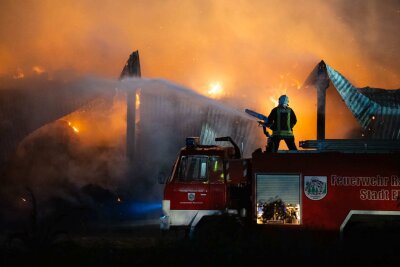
[315,187]
[191,196]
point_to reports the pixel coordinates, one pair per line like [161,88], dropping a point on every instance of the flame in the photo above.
[273,100]
[137,100]
[88,123]
[137,106]
[216,90]
[23,199]
[38,70]
[119,199]
[18,74]
[76,129]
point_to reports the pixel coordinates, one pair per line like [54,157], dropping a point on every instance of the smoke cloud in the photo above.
[257,50]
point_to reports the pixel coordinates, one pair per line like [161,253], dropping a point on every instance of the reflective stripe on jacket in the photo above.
[281,121]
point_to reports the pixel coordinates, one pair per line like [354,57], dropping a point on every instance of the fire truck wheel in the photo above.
[217,229]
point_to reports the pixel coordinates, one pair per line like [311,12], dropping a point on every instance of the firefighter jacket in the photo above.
[281,121]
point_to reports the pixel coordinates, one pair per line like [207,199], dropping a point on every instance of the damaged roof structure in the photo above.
[376,110]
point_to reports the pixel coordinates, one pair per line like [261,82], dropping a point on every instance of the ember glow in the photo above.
[137,100]
[137,106]
[18,74]
[75,128]
[38,69]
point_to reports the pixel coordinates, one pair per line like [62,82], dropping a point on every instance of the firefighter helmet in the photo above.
[284,100]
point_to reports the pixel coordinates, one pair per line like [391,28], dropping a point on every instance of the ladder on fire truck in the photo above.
[352,145]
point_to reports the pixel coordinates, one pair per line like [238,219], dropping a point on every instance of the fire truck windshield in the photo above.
[200,168]
[193,168]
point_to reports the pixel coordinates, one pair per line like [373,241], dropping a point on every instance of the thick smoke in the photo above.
[80,160]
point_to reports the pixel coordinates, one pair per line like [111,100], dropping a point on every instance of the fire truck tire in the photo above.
[217,229]
[373,228]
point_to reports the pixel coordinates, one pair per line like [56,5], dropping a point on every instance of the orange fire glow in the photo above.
[18,74]
[137,100]
[137,105]
[215,90]
[261,47]
[38,69]
[248,42]
[74,127]
[99,123]
[273,100]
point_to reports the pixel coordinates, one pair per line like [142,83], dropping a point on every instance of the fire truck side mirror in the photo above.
[161,177]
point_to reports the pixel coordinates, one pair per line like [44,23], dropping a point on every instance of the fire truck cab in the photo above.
[200,185]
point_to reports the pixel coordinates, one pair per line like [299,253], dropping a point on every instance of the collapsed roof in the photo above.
[376,110]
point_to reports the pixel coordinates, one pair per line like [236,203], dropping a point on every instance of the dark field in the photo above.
[144,245]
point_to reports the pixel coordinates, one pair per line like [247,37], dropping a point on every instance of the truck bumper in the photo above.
[182,218]
[165,221]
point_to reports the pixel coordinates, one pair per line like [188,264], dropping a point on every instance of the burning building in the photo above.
[161,118]
[160,114]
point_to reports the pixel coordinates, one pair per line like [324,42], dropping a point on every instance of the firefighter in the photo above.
[281,120]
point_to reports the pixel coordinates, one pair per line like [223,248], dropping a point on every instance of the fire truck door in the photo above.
[192,189]
[217,184]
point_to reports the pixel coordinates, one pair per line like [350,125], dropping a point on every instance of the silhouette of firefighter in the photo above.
[281,121]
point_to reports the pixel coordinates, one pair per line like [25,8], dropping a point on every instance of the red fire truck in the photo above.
[330,185]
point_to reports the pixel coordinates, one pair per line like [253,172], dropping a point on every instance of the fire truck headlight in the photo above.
[166,207]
